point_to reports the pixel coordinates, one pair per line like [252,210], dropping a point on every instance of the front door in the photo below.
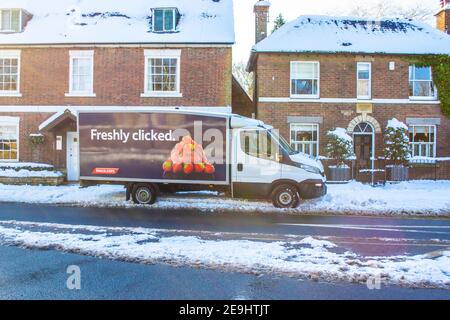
[73,163]
[363,150]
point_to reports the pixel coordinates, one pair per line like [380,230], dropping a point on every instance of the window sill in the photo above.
[423,98]
[10,94]
[312,97]
[162,95]
[80,95]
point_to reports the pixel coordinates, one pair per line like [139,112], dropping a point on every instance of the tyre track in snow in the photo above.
[319,258]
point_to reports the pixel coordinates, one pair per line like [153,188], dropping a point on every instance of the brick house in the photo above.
[58,57]
[317,73]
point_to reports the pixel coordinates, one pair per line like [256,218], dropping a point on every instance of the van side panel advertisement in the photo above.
[160,146]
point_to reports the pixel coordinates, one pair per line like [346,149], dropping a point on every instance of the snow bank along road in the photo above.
[325,258]
[422,198]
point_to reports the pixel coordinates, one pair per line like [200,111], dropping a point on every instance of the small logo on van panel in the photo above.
[105,171]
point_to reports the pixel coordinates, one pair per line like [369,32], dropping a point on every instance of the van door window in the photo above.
[258,143]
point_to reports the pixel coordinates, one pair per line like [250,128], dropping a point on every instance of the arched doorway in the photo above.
[364,145]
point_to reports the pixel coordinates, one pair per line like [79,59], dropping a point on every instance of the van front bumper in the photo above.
[312,188]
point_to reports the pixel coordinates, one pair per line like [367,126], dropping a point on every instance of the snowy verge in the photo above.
[300,257]
[33,165]
[24,173]
[424,198]
[28,170]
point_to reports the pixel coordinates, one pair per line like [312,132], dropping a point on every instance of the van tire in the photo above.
[285,196]
[144,194]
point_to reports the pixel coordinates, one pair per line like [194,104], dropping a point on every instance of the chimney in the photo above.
[443,17]
[261,10]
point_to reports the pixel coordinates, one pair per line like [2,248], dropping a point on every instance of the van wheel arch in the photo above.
[283,181]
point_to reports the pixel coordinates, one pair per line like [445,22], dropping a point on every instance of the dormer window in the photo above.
[165,19]
[10,20]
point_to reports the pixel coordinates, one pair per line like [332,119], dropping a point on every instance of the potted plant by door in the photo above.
[339,148]
[396,151]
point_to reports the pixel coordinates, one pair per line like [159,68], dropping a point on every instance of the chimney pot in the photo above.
[443,17]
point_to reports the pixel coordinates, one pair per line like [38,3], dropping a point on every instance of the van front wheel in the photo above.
[144,194]
[285,196]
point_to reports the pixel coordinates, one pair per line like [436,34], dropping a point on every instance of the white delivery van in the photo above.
[171,150]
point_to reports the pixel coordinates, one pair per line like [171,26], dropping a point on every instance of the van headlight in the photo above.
[308,168]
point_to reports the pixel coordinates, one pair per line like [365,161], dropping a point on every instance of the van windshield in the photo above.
[283,143]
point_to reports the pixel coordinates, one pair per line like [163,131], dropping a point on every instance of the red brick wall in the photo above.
[119,78]
[241,102]
[29,123]
[337,75]
[340,115]
[338,80]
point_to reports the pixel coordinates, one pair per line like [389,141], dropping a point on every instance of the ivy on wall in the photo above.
[440,65]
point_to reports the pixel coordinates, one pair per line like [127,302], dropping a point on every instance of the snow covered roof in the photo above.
[356,35]
[119,21]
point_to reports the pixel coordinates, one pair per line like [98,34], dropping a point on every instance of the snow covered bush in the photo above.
[339,146]
[28,166]
[396,142]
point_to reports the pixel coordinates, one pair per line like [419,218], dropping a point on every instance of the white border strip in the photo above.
[51,109]
[351,100]
[124,45]
[112,179]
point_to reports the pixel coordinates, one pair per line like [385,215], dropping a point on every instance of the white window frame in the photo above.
[162,54]
[12,54]
[10,20]
[369,96]
[12,121]
[433,97]
[174,15]
[81,54]
[310,96]
[412,143]
[295,142]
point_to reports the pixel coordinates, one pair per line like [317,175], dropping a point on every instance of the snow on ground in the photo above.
[302,258]
[416,197]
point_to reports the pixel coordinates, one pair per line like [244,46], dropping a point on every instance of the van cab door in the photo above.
[255,159]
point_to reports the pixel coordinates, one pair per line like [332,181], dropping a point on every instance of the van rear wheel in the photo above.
[144,194]
[285,196]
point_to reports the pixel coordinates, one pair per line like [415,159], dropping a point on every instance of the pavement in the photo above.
[39,274]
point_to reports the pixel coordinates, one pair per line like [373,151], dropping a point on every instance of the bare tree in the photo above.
[387,9]
[245,78]
[418,12]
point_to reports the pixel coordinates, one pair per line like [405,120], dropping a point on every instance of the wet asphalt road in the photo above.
[35,274]
[27,274]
